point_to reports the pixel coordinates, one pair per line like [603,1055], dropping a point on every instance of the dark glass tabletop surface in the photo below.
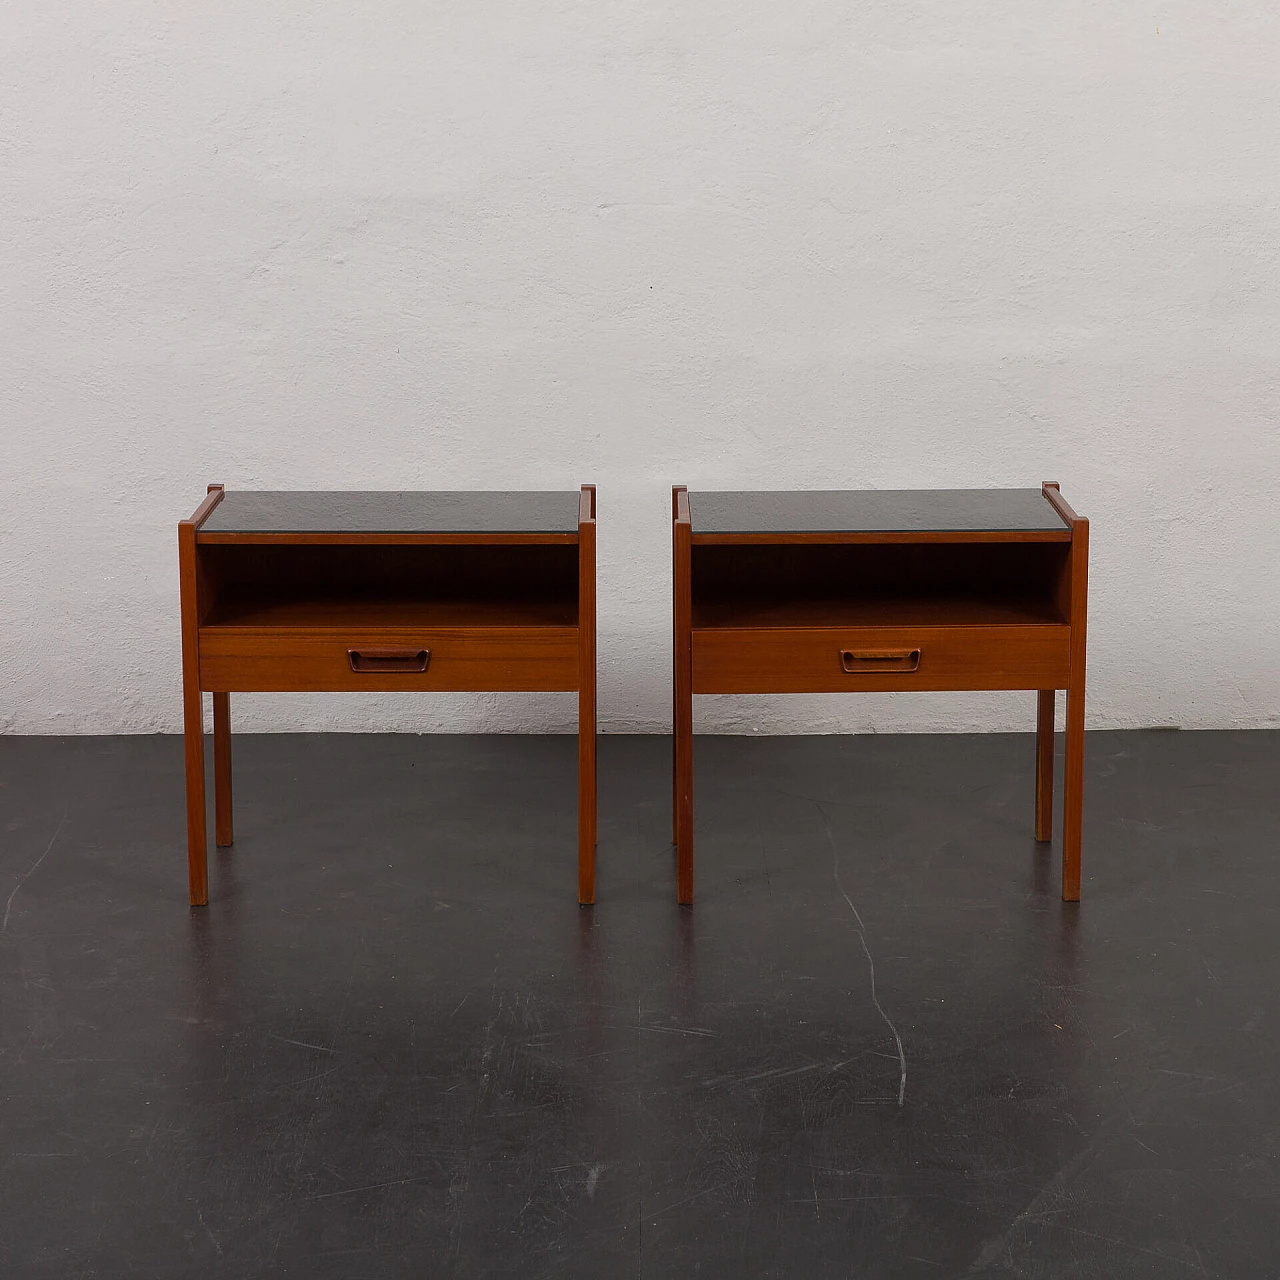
[874,511]
[263,511]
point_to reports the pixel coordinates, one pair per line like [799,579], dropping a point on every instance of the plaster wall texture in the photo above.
[902,243]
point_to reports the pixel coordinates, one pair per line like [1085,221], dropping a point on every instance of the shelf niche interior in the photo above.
[401,584]
[879,584]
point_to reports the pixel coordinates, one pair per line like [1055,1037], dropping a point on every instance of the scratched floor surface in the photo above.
[878,1046]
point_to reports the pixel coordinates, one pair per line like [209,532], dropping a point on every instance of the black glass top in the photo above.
[262,511]
[874,511]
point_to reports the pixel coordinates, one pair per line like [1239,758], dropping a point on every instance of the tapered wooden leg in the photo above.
[675,772]
[193,727]
[194,596]
[683,733]
[1044,764]
[1073,796]
[190,580]
[222,769]
[587,796]
[682,726]
[1073,598]
[684,801]
[587,697]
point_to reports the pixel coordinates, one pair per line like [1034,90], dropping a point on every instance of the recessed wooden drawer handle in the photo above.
[373,660]
[859,660]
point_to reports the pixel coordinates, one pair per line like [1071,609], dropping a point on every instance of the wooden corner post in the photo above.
[1075,598]
[682,717]
[587,696]
[191,588]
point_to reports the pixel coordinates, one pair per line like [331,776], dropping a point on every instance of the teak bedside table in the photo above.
[882,590]
[307,592]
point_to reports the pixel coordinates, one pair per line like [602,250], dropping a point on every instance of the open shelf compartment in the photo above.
[299,587]
[871,584]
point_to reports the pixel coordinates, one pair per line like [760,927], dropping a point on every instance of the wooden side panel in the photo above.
[741,660]
[538,659]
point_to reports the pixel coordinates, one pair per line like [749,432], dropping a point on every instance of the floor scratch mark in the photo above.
[373,1186]
[8,906]
[213,1240]
[871,964]
[689,1199]
[778,1073]
[302,1044]
[682,1031]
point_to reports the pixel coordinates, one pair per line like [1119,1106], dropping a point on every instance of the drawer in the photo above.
[865,659]
[305,660]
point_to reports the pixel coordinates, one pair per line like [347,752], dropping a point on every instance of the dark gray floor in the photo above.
[393,1045]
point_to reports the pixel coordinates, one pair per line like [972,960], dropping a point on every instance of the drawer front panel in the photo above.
[279,660]
[866,659]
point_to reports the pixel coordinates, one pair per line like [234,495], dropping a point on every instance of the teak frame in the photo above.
[284,647]
[792,648]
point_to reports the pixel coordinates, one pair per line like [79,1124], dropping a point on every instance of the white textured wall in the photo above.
[512,244]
